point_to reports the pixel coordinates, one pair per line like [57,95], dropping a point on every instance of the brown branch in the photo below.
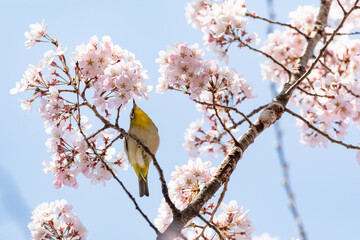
[268,117]
[221,198]
[341,6]
[243,120]
[98,131]
[236,38]
[313,94]
[222,195]
[221,122]
[351,92]
[230,117]
[278,23]
[113,141]
[226,107]
[326,67]
[346,34]
[211,226]
[118,116]
[348,146]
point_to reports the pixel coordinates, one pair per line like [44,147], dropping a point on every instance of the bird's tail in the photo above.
[143,186]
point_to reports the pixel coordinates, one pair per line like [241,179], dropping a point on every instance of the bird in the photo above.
[143,128]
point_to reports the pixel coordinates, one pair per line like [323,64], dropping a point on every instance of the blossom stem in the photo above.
[278,23]
[348,146]
[211,226]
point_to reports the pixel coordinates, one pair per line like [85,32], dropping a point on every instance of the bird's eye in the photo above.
[132,114]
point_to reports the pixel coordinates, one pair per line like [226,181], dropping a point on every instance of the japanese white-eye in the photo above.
[143,128]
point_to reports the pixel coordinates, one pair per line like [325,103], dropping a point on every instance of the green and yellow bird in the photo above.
[142,127]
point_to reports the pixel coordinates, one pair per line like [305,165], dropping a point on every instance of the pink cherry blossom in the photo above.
[55,220]
[221,22]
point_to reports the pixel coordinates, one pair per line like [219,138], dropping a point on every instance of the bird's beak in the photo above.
[134,103]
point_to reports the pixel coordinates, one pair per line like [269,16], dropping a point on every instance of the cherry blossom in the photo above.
[55,220]
[207,83]
[221,22]
[116,77]
[186,182]
[116,74]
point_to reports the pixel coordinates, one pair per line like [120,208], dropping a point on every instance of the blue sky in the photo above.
[326,181]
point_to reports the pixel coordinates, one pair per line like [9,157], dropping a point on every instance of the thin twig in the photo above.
[112,142]
[345,34]
[212,226]
[313,94]
[98,131]
[326,67]
[226,107]
[221,122]
[243,120]
[348,146]
[221,198]
[278,23]
[341,6]
[236,38]
[222,195]
[118,116]
[230,117]
[351,92]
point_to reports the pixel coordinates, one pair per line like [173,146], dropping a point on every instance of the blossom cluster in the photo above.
[186,182]
[202,142]
[330,96]
[55,220]
[183,69]
[221,23]
[115,74]
[96,66]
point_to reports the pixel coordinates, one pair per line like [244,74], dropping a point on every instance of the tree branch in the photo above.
[261,52]
[221,122]
[278,23]
[226,107]
[267,117]
[211,226]
[348,146]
